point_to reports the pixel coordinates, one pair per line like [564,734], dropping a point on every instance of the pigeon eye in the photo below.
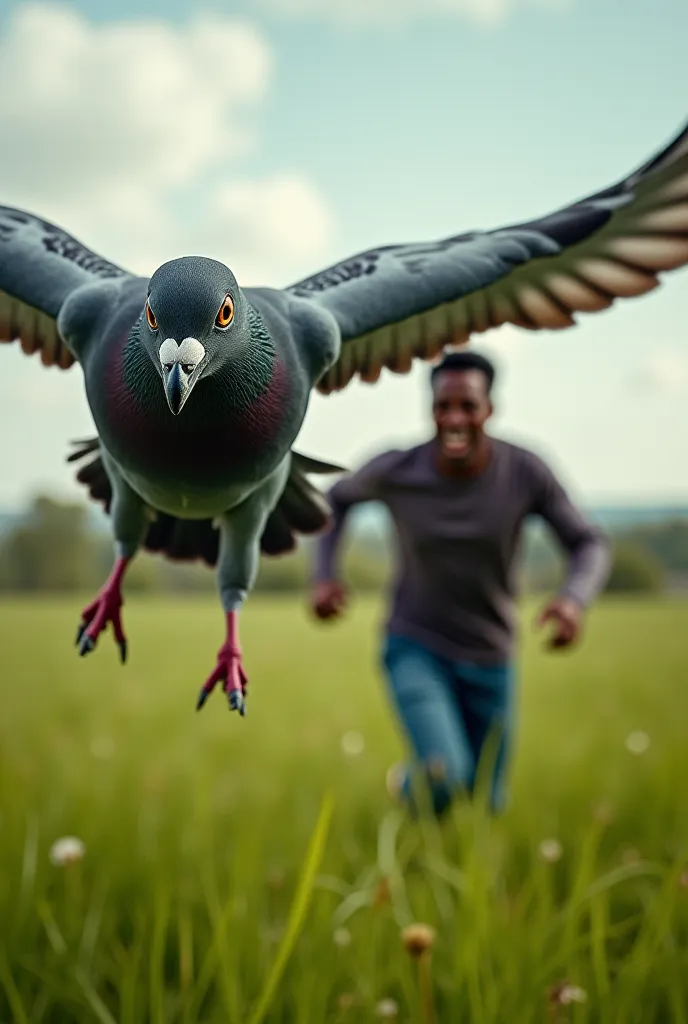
[226,313]
[150,317]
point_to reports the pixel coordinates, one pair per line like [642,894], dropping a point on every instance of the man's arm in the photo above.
[366,484]
[589,557]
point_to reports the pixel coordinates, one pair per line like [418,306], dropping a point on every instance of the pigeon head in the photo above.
[195,319]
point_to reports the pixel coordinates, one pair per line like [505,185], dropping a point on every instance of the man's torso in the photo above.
[456,544]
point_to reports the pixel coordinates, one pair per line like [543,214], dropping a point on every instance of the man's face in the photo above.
[461,405]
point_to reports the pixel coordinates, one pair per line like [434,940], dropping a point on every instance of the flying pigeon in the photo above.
[198,387]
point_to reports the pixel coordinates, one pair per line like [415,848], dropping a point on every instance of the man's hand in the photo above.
[328,599]
[567,619]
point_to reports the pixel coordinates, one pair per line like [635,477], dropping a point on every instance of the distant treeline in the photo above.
[54,547]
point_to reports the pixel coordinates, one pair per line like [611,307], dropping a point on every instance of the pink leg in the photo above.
[229,670]
[106,608]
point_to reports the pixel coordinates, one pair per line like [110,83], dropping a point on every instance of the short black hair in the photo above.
[465,360]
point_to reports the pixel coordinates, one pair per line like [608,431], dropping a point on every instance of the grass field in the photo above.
[205,893]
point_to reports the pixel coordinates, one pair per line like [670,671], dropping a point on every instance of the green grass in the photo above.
[216,872]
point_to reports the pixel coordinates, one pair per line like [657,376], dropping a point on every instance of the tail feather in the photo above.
[278,537]
[183,540]
[301,509]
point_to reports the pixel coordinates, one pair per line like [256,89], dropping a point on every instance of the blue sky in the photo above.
[281,135]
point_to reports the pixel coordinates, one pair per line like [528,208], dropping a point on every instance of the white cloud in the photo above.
[665,372]
[130,135]
[384,12]
[283,216]
[142,102]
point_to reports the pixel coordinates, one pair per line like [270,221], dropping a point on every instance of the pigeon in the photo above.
[198,387]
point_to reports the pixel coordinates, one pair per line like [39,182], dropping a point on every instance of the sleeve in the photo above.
[587,547]
[366,484]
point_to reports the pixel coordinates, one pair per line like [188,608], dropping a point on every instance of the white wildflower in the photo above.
[387,1008]
[572,994]
[352,743]
[67,850]
[551,850]
[637,742]
[342,937]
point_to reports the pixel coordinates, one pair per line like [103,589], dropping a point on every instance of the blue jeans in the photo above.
[453,713]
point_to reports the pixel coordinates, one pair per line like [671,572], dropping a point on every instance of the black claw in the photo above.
[237,702]
[80,632]
[202,698]
[86,646]
[123,651]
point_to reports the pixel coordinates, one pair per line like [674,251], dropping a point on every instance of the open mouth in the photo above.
[456,443]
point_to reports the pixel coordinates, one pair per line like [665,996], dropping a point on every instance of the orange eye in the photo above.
[150,317]
[226,312]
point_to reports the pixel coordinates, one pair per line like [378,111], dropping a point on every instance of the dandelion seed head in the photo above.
[572,994]
[67,850]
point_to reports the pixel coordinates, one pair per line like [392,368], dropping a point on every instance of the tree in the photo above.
[53,548]
[635,569]
[667,541]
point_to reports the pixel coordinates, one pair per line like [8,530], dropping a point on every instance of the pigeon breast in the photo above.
[235,428]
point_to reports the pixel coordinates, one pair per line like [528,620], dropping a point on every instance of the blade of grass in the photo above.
[599,928]
[91,929]
[52,930]
[298,910]
[156,966]
[220,917]
[12,993]
[99,1008]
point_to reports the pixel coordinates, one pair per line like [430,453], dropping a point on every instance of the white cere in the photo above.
[189,353]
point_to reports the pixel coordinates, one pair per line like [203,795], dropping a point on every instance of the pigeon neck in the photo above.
[246,376]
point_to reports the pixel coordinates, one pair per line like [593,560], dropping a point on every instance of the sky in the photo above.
[282,135]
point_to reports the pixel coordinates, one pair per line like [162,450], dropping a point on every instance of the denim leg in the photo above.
[486,697]
[422,689]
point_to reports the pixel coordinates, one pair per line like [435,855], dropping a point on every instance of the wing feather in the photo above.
[40,264]
[400,303]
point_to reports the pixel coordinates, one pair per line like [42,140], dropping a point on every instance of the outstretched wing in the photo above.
[39,266]
[402,302]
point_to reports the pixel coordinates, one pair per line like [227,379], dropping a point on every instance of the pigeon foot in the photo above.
[104,610]
[229,671]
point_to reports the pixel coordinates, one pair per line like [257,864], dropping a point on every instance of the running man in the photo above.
[458,503]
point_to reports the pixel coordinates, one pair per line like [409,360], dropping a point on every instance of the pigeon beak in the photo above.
[181,368]
[177,388]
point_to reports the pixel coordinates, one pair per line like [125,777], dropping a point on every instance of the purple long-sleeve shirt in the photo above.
[457,542]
